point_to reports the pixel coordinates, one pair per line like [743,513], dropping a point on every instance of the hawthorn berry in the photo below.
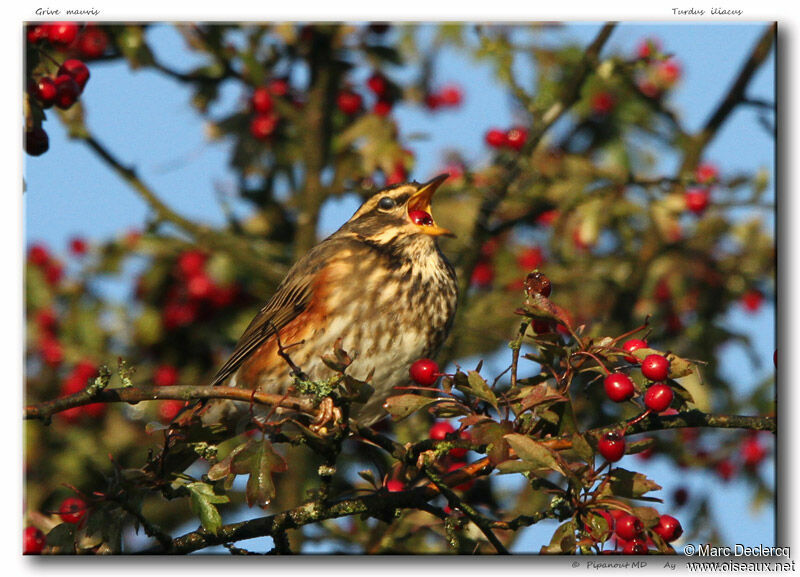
[706,173]
[655,367]
[725,470]
[629,527]
[200,286]
[377,84]
[35,33]
[697,200]
[753,452]
[647,48]
[169,409]
[93,42]
[165,376]
[36,141]
[496,138]
[602,103]
[633,345]
[382,108]
[547,218]
[635,547]
[262,126]
[516,137]
[45,91]
[77,70]
[752,299]
[541,326]
[78,246]
[278,86]
[424,372]
[192,262]
[612,446]
[619,387]
[668,528]
[51,351]
[460,452]
[395,485]
[261,100]
[420,217]
[62,33]
[530,258]
[46,320]
[397,175]
[668,72]
[72,510]
[349,102]
[67,91]
[33,541]
[450,96]
[465,486]
[482,275]
[537,283]
[440,430]
[658,397]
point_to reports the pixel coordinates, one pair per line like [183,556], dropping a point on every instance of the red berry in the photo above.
[261,100]
[278,87]
[424,372]
[200,286]
[36,141]
[706,173]
[92,43]
[433,101]
[397,175]
[67,91]
[72,510]
[633,345]
[420,217]
[629,527]
[46,320]
[547,218]
[35,33]
[496,138]
[725,470]
[668,528]
[658,398]
[612,446]
[51,351]
[647,48]
[635,547]
[262,126]
[349,102]
[619,387]
[377,84]
[395,485]
[450,96]
[697,200]
[85,369]
[482,275]
[752,452]
[648,88]
[516,137]
[45,91]
[460,452]
[192,262]
[540,327]
[440,430]
[168,410]
[655,367]
[680,496]
[33,541]
[62,33]
[95,410]
[602,103]
[78,246]
[668,72]
[77,69]
[53,271]
[530,258]
[382,108]
[165,376]
[751,300]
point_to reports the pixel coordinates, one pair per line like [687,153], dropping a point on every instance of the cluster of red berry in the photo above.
[63,88]
[166,375]
[195,293]
[659,72]
[630,535]
[449,96]
[265,119]
[73,510]
[513,138]
[698,197]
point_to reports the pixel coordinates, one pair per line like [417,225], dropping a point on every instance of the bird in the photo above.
[379,288]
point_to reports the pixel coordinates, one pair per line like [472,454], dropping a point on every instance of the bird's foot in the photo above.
[328,415]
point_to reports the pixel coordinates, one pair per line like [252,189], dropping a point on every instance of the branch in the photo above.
[734,97]
[47,409]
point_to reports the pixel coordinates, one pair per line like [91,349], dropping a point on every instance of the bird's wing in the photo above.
[290,299]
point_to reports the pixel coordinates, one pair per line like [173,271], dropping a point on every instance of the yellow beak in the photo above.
[422,201]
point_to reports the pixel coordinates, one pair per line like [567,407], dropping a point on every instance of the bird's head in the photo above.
[398,214]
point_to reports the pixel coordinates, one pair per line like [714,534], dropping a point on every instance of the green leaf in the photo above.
[534,453]
[630,485]
[678,367]
[202,501]
[582,448]
[401,406]
[260,486]
[479,388]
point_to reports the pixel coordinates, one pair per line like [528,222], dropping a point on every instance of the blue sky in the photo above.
[145,119]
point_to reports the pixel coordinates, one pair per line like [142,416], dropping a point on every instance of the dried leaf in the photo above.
[401,406]
[534,453]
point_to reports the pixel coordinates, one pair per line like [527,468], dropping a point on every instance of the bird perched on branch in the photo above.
[379,287]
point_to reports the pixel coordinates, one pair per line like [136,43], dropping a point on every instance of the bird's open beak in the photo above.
[422,201]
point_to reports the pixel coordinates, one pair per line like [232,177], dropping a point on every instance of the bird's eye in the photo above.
[386,203]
